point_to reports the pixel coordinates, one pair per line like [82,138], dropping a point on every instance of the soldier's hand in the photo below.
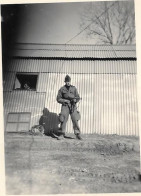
[74,100]
[67,101]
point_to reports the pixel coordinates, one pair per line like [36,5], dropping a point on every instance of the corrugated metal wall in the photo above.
[24,101]
[107,88]
[109,102]
[8,81]
[74,66]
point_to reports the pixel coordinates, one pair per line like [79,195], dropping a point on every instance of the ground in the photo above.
[97,164]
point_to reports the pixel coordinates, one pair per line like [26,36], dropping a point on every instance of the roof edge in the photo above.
[73,58]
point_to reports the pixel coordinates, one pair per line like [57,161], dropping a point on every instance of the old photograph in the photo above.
[70,102]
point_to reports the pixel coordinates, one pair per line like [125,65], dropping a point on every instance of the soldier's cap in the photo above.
[67,78]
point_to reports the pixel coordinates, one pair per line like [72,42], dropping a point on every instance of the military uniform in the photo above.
[64,95]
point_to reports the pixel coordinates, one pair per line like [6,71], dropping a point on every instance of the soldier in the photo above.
[68,97]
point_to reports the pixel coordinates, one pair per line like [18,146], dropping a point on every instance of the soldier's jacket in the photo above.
[64,94]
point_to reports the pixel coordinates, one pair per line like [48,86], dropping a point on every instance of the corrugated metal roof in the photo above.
[74,51]
[73,47]
[125,54]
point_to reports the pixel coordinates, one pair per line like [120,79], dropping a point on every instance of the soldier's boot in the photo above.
[61,137]
[78,136]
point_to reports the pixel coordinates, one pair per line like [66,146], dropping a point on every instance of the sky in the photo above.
[50,23]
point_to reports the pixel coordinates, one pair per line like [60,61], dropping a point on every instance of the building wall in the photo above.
[109,102]
[24,101]
[107,88]
[72,66]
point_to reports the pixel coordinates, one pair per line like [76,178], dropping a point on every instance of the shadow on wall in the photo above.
[49,121]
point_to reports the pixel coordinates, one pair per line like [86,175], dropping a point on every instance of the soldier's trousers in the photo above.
[65,111]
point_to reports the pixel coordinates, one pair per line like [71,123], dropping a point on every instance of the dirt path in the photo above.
[98,164]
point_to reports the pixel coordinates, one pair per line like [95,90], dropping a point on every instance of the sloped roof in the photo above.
[73,51]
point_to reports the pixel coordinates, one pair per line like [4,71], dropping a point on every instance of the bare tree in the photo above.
[109,22]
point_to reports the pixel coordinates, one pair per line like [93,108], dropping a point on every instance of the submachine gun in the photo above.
[72,104]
